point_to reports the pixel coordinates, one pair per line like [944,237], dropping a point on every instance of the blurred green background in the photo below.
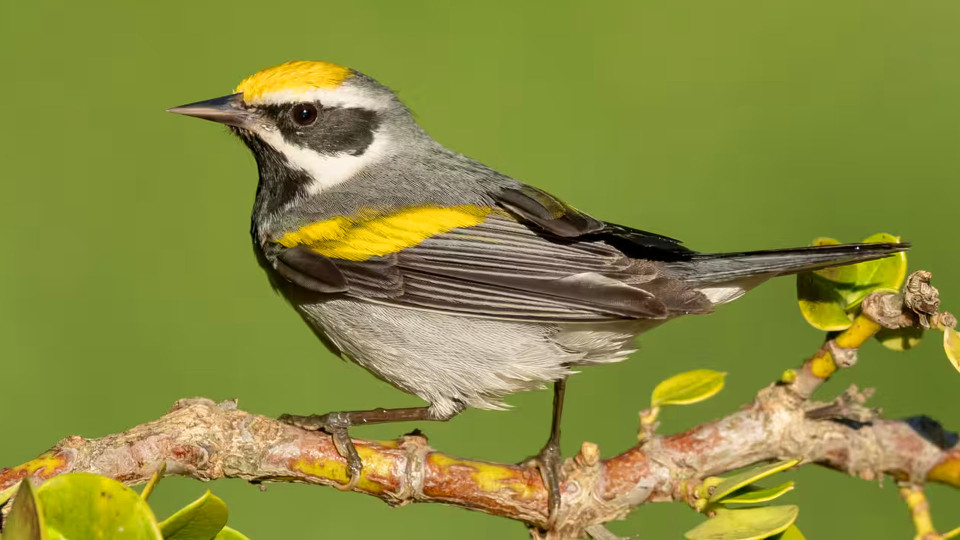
[129,280]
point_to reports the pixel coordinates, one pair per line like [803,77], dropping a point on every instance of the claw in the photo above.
[336,425]
[346,448]
[548,462]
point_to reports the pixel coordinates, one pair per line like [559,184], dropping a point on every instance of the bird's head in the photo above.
[321,120]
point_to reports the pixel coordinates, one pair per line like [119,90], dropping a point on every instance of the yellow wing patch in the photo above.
[296,75]
[361,238]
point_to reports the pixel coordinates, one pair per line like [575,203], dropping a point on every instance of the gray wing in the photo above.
[504,268]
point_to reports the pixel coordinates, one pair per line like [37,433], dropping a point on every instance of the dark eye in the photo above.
[304,113]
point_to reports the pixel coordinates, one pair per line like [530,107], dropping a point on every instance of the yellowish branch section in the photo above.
[823,364]
[919,512]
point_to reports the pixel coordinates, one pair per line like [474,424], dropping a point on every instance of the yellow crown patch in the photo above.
[296,75]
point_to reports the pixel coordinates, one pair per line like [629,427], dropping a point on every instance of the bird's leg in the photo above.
[549,460]
[337,424]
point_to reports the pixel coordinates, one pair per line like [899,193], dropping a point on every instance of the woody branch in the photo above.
[206,440]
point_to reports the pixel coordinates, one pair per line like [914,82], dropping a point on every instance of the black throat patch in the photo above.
[280,182]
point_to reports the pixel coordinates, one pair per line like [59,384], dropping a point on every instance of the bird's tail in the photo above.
[725,276]
[710,268]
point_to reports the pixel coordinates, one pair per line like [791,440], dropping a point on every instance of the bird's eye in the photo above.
[304,113]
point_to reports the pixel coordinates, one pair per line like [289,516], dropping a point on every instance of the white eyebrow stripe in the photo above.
[344,96]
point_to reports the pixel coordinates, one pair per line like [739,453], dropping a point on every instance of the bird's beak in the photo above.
[228,110]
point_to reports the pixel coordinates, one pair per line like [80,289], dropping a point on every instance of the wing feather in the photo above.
[502,268]
[507,267]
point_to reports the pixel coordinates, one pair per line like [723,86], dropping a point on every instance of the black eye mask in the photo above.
[334,130]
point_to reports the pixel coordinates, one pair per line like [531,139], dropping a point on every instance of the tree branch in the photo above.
[207,440]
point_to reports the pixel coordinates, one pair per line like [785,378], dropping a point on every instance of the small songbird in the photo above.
[446,278]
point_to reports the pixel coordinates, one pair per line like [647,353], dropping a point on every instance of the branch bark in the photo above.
[206,440]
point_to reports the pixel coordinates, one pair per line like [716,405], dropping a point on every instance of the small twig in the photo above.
[154,480]
[599,532]
[954,533]
[849,406]
[919,508]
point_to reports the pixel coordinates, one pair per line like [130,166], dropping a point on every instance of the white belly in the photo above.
[451,360]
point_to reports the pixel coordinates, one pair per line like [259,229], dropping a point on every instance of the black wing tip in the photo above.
[851,249]
[874,247]
[900,245]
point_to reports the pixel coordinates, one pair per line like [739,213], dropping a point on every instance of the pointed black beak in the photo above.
[228,110]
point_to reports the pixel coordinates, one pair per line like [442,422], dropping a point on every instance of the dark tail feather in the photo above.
[712,268]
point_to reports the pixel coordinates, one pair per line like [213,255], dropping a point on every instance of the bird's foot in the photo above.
[549,462]
[336,424]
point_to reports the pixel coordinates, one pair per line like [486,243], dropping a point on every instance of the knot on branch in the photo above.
[913,306]
[921,297]
[843,357]
[849,407]
[581,505]
[888,310]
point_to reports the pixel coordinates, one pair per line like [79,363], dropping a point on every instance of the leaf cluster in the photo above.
[830,298]
[735,502]
[81,505]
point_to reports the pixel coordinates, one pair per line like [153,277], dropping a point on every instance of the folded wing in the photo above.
[505,266]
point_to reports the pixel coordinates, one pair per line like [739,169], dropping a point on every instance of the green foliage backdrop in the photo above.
[128,280]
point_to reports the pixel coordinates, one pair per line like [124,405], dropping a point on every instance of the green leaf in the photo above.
[792,533]
[745,524]
[686,388]
[825,241]
[827,296]
[886,273]
[901,339]
[200,520]
[745,478]
[855,282]
[229,534]
[951,344]
[821,303]
[82,505]
[846,275]
[7,493]
[25,521]
[755,494]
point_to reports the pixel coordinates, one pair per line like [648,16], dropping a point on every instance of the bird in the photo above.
[444,277]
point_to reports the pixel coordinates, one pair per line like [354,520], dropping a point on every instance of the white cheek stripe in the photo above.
[345,96]
[326,171]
